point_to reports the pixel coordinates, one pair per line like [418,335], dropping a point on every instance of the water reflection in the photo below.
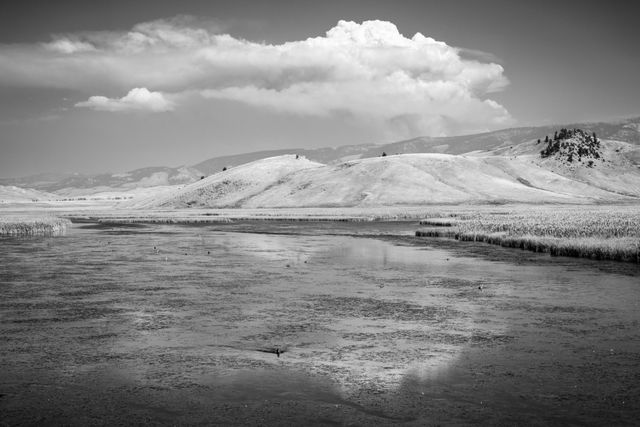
[266,246]
[385,330]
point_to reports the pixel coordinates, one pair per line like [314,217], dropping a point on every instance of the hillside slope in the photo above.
[602,163]
[408,179]
[233,187]
[516,141]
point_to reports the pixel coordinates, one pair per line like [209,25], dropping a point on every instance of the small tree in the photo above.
[384,154]
[224,169]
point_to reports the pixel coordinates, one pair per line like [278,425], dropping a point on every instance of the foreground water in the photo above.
[310,323]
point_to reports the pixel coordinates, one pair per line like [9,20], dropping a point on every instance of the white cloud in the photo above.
[69,45]
[366,71]
[138,99]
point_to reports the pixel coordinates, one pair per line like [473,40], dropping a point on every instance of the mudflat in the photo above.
[310,324]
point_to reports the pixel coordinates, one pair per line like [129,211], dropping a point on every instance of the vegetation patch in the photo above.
[33,226]
[437,222]
[606,234]
[572,145]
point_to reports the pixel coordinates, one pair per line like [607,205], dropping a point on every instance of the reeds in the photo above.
[33,226]
[597,233]
[438,222]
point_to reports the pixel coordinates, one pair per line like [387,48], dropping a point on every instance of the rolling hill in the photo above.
[233,187]
[406,179]
[507,166]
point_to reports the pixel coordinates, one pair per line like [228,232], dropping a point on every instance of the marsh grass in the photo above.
[606,234]
[199,215]
[438,222]
[127,221]
[33,226]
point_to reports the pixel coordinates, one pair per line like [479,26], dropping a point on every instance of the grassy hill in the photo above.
[233,187]
[407,179]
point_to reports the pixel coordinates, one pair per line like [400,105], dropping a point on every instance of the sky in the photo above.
[91,87]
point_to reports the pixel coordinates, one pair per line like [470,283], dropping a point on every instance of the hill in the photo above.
[407,179]
[615,172]
[233,187]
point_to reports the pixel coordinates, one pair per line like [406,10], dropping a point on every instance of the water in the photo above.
[178,324]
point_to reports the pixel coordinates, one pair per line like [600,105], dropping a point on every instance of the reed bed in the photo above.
[197,215]
[184,221]
[33,226]
[438,222]
[597,233]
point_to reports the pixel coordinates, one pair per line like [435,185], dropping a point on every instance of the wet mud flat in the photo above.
[301,324]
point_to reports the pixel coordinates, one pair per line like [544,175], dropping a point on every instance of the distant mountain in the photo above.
[13,194]
[625,131]
[39,181]
[516,141]
[73,185]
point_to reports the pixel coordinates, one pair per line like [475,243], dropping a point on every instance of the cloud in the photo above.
[69,45]
[366,71]
[138,99]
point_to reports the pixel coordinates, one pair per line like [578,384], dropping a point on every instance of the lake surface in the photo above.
[310,323]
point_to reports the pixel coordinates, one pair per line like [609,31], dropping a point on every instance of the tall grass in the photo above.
[33,226]
[598,233]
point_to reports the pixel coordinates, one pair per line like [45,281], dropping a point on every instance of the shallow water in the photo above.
[180,324]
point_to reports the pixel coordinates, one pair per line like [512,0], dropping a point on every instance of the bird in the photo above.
[275,350]
[481,287]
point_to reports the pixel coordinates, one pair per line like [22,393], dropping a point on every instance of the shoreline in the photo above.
[600,232]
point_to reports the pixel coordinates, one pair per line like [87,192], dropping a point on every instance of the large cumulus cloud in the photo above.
[366,71]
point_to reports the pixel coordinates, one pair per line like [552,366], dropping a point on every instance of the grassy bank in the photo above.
[213,216]
[33,226]
[608,234]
